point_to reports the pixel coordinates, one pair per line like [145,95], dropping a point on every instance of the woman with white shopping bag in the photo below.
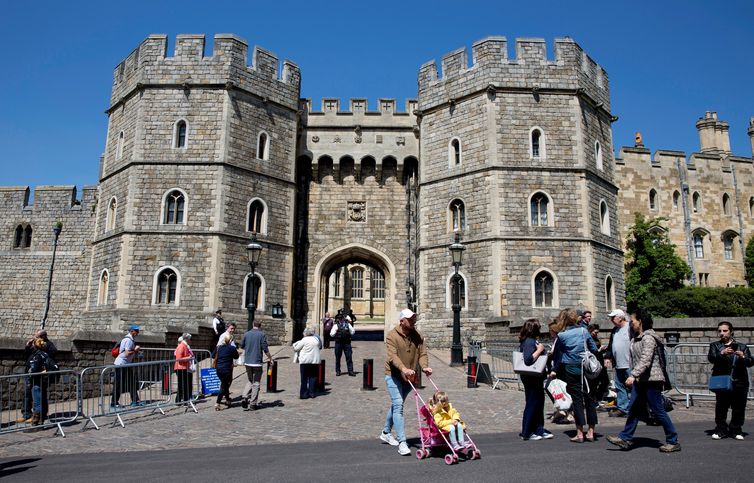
[184,368]
[532,373]
[570,346]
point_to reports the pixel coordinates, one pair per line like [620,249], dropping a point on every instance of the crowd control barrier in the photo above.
[690,370]
[57,393]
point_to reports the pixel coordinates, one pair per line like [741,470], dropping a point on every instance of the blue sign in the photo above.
[210,381]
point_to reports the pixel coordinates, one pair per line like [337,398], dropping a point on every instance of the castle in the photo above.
[513,154]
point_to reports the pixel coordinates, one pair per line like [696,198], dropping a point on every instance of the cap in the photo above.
[616,312]
[406,314]
[134,327]
[218,311]
[348,318]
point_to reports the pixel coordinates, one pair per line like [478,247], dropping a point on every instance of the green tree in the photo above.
[749,262]
[652,266]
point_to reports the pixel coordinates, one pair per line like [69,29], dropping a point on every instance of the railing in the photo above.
[55,395]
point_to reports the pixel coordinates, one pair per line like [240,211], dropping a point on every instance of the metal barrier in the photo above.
[202,357]
[501,362]
[689,371]
[56,393]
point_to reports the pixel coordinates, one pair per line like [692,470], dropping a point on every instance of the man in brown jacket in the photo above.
[405,350]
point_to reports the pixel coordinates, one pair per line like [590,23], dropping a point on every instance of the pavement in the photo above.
[344,413]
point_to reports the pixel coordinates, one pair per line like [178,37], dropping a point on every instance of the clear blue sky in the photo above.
[668,61]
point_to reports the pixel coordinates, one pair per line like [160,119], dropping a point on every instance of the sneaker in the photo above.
[670,448]
[535,437]
[23,419]
[621,443]
[547,435]
[716,436]
[389,439]
[739,437]
[403,449]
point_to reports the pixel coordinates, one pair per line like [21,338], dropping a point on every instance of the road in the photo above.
[504,458]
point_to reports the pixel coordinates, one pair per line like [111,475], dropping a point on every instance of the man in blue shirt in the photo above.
[254,343]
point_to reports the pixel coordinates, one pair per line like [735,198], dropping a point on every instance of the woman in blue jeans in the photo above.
[533,424]
[646,380]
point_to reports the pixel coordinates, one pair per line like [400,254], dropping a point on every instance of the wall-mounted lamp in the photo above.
[277,311]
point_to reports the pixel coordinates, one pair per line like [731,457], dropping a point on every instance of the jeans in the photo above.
[398,390]
[339,350]
[581,400]
[643,394]
[456,434]
[251,390]
[734,400]
[308,380]
[534,411]
[622,396]
[226,379]
[184,385]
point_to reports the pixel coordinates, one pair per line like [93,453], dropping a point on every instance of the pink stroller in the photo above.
[432,437]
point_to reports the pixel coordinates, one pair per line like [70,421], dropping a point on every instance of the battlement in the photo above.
[149,64]
[330,106]
[18,198]
[571,69]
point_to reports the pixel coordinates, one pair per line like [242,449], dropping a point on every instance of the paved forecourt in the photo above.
[345,412]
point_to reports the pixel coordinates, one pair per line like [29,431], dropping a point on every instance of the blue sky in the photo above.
[668,61]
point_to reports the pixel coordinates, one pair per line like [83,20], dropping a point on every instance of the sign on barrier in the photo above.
[210,381]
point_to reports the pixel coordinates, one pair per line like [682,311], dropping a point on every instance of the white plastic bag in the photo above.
[557,390]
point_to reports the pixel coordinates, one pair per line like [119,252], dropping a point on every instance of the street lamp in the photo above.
[456,350]
[253,250]
[56,231]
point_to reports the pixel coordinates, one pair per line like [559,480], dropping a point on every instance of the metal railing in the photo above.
[689,371]
[54,394]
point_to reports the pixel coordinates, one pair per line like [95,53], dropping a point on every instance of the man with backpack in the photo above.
[342,333]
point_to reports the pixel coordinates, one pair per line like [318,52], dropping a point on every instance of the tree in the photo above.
[749,262]
[652,265]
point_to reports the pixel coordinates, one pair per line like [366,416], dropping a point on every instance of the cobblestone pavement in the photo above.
[345,412]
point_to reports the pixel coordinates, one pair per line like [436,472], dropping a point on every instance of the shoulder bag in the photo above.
[589,363]
[536,369]
[723,383]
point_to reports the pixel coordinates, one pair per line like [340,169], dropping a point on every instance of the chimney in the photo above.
[713,134]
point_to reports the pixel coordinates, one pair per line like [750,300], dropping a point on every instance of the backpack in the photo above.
[115,351]
[40,361]
[343,335]
[590,365]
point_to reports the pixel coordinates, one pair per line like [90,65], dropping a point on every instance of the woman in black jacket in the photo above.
[225,353]
[723,355]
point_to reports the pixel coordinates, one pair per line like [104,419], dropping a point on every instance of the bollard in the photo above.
[165,382]
[321,376]
[272,376]
[471,374]
[368,375]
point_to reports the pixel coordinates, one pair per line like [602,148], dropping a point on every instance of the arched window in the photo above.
[536,143]
[598,155]
[104,282]
[699,244]
[676,198]
[258,291]
[653,201]
[730,239]
[263,146]
[119,146]
[604,218]
[174,206]
[609,293]
[726,204]
[18,239]
[539,209]
[112,209]
[454,152]
[696,202]
[180,134]
[357,283]
[167,287]
[377,284]
[26,242]
[543,289]
[257,216]
[457,215]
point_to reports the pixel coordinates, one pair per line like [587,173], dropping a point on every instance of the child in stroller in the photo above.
[447,419]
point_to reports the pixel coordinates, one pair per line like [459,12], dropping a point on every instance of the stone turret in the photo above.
[713,134]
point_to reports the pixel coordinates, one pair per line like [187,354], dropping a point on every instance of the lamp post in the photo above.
[253,250]
[456,350]
[56,231]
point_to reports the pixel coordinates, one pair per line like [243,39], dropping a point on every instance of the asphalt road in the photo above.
[504,458]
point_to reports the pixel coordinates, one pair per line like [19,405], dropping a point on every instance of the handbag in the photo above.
[590,364]
[556,388]
[536,369]
[722,383]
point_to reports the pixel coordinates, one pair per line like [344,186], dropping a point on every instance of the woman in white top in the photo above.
[307,355]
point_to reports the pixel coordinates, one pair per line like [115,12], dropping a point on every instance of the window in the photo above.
[454,152]
[22,236]
[458,288]
[676,197]
[336,283]
[119,147]
[598,155]
[257,291]
[457,215]
[604,218]
[726,204]
[257,218]
[536,143]
[698,245]
[174,203]
[27,236]
[104,281]
[167,287]
[704,279]
[180,134]
[357,283]
[728,247]
[609,293]
[112,208]
[378,284]
[263,146]
[696,202]
[653,201]
[538,209]
[544,289]
[751,207]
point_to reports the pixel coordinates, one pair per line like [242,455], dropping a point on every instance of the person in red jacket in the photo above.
[184,362]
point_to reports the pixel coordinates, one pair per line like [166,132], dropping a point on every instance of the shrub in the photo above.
[702,302]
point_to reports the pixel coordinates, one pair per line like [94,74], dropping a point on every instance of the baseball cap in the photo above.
[134,327]
[406,314]
[616,312]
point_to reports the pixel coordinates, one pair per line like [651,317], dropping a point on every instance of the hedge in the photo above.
[702,302]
